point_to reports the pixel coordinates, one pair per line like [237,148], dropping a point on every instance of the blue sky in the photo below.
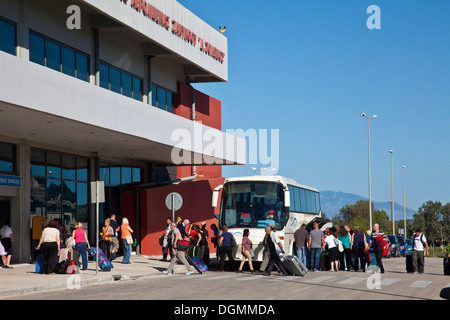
[309,67]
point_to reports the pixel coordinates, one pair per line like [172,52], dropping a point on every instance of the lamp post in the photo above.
[392,191]
[404,205]
[370,190]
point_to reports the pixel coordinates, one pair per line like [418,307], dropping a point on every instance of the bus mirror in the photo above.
[215,196]
[287,198]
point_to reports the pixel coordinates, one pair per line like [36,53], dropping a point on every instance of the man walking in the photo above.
[177,253]
[377,240]
[301,241]
[272,245]
[316,243]
[419,241]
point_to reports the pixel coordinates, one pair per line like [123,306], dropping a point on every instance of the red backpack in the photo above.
[377,243]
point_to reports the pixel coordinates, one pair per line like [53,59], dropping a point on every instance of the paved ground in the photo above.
[23,284]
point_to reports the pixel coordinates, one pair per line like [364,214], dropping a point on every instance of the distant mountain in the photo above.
[332,201]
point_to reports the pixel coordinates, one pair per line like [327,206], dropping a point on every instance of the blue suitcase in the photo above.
[103,262]
[39,264]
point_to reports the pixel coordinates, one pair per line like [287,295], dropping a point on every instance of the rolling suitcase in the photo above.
[74,255]
[446,266]
[39,264]
[373,264]
[409,263]
[103,262]
[197,264]
[294,265]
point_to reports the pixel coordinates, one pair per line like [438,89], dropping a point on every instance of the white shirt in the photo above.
[275,240]
[418,245]
[50,234]
[6,232]
[330,241]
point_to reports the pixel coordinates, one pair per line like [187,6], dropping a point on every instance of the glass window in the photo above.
[53,198]
[82,202]
[317,195]
[161,96]
[115,176]
[68,61]
[69,202]
[302,200]
[104,76]
[163,99]
[37,49]
[37,196]
[127,85]
[114,80]
[58,57]
[53,165]
[310,202]
[7,37]
[252,204]
[56,193]
[297,200]
[82,66]
[68,167]
[169,101]
[137,92]
[292,198]
[136,175]
[7,157]
[37,163]
[153,95]
[82,169]
[53,55]
[126,175]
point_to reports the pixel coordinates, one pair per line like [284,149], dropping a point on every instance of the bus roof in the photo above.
[283,180]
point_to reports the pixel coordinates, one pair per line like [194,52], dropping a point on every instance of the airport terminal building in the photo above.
[94,90]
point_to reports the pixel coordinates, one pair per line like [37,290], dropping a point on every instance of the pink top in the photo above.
[246,243]
[79,235]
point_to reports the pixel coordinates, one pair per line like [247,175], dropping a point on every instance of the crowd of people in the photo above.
[182,237]
[335,248]
[331,249]
[56,242]
[341,248]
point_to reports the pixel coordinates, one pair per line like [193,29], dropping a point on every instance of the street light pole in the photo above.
[404,205]
[392,191]
[370,191]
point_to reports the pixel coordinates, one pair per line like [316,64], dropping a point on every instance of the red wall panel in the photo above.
[196,207]
[208,112]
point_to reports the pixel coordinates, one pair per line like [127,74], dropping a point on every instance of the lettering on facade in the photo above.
[176,28]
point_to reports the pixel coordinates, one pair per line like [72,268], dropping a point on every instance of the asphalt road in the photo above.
[394,284]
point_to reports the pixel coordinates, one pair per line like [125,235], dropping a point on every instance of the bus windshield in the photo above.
[252,204]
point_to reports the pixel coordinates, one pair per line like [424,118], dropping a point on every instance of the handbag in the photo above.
[182,245]
[129,239]
[252,253]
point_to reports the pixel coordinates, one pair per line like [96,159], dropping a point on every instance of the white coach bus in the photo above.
[255,202]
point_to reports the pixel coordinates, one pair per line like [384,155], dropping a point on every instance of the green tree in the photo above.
[428,219]
[358,214]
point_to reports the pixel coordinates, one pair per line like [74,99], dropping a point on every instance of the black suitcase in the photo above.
[294,265]
[409,263]
[446,266]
